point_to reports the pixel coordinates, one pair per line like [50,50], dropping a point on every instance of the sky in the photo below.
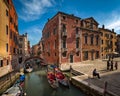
[33,14]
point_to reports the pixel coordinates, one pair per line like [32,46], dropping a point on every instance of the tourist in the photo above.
[108,64]
[116,65]
[111,65]
[95,73]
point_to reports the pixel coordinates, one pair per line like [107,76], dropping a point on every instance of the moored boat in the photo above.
[28,68]
[15,90]
[52,80]
[61,78]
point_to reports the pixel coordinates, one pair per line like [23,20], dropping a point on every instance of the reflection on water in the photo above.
[36,84]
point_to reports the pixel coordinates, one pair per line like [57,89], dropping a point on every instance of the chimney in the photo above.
[112,30]
[103,26]
[25,34]
[72,14]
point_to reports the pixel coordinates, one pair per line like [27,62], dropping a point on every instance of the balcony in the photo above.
[64,50]
[77,35]
[77,49]
[64,34]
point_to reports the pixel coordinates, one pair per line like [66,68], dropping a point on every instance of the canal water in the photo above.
[36,84]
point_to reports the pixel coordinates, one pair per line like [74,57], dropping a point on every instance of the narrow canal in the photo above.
[36,84]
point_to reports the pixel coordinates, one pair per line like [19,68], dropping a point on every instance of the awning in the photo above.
[115,53]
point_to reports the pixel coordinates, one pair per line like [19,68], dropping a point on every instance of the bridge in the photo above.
[42,61]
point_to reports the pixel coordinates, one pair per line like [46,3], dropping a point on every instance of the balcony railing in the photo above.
[77,49]
[64,50]
[64,34]
[77,35]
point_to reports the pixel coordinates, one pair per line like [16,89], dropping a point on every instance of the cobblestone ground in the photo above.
[112,77]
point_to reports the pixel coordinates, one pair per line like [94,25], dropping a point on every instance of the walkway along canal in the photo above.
[36,84]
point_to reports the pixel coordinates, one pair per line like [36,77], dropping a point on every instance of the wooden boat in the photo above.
[15,90]
[52,80]
[61,78]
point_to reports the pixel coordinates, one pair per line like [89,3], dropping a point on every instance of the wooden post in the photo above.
[70,72]
[105,88]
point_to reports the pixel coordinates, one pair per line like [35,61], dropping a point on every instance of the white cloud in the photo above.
[113,22]
[33,9]
[34,34]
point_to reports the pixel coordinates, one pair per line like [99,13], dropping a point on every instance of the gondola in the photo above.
[52,80]
[61,78]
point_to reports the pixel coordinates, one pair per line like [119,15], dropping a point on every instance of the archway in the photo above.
[42,61]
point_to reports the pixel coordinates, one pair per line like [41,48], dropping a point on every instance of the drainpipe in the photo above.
[59,38]
[81,43]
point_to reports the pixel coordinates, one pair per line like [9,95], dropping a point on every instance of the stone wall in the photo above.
[7,80]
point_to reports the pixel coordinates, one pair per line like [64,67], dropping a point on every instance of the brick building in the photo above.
[108,42]
[68,39]
[13,36]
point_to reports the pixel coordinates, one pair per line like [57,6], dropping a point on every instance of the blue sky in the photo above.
[33,14]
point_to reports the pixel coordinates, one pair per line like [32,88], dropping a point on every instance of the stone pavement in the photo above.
[112,77]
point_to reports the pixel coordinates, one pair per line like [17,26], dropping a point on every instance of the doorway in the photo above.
[71,58]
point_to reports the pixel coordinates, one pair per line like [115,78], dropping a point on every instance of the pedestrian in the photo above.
[116,65]
[95,73]
[108,64]
[111,66]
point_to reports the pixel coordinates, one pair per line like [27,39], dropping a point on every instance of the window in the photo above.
[64,54]
[7,47]
[21,39]
[86,55]
[77,43]
[91,40]
[1,63]
[82,23]
[11,20]
[55,54]
[77,54]
[102,42]
[63,28]
[64,43]
[13,50]
[7,29]
[55,31]
[85,39]
[97,54]
[97,40]
[77,30]
[6,12]
[64,18]
[76,21]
